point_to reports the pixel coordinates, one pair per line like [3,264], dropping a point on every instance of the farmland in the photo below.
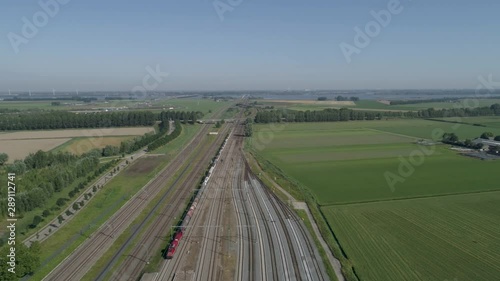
[82,145]
[19,144]
[203,105]
[384,230]
[187,104]
[375,105]
[439,238]
[493,122]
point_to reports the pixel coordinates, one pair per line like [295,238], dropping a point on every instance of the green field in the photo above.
[343,157]
[441,238]
[492,122]
[385,229]
[203,105]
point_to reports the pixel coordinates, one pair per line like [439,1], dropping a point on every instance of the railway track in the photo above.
[211,191]
[245,242]
[271,241]
[79,262]
[307,265]
[211,236]
[154,236]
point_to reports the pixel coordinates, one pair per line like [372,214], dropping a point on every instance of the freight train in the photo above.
[174,243]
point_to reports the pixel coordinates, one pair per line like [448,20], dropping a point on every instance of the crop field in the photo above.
[418,228]
[81,145]
[19,149]
[440,238]
[20,144]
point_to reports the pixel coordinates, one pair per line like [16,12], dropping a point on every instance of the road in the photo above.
[241,231]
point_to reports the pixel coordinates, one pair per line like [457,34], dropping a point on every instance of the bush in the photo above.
[61,202]
[45,213]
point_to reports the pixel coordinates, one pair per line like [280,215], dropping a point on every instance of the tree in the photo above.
[3,158]
[487,135]
[36,220]
[450,138]
[60,202]
[45,213]
[322,98]
[468,143]
[497,138]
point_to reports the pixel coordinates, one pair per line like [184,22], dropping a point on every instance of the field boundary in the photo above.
[423,197]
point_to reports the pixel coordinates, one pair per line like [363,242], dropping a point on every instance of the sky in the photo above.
[247,44]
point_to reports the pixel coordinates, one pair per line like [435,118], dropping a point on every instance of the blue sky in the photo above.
[259,44]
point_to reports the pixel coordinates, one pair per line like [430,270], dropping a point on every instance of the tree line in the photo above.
[345,114]
[161,141]
[42,174]
[69,120]
[248,127]
[185,116]
[45,120]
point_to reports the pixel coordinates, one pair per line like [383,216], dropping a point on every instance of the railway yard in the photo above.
[236,230]
[240,231]
[205,216]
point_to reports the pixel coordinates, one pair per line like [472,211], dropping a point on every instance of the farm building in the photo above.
[486,143]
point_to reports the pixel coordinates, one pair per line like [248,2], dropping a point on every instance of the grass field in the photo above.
[203,105]
[492,122]
[327,157]
[393,233]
